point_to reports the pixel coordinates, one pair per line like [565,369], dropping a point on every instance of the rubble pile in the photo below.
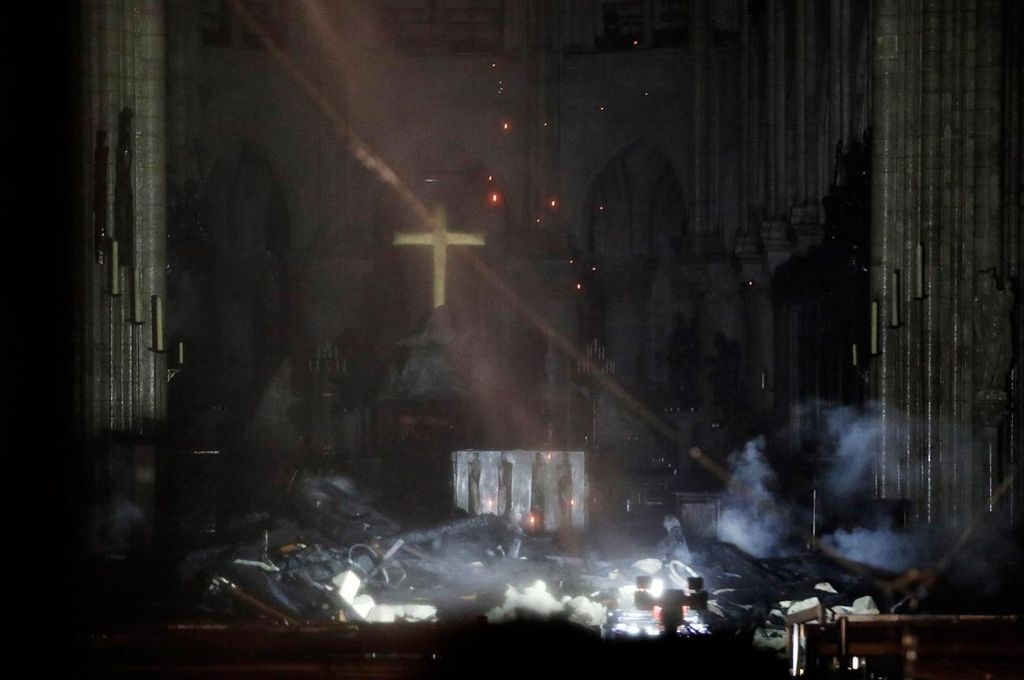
[333,558]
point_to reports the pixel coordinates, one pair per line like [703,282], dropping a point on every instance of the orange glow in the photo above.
[579,286]
[505,125]
[495,197]
[553,203]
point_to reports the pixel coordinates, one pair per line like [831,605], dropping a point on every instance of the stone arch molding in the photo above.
[246,299]
[634,205]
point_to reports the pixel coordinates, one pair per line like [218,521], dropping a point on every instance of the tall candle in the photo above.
[115,269]
[854,354]
[157,305]
[181,353]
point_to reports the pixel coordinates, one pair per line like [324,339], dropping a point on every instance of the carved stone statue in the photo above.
[993,344]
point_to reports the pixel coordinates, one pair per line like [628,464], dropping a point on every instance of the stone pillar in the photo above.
[121,382]
[936,183]
[124,381]
[700,171]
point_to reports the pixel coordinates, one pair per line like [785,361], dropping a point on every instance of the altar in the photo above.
[535,489]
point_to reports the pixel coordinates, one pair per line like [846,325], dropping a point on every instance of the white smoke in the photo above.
[883,548]
[750,518]
[853,437]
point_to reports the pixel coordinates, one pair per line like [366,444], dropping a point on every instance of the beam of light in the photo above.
[377,167]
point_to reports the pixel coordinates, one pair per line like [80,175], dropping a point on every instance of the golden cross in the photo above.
[440,238]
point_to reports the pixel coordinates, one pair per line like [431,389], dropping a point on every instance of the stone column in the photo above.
[936,182]
[124,381]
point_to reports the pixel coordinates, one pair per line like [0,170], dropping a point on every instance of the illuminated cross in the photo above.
[440,238]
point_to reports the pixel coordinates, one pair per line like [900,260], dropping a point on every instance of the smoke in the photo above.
[750,519]
[881,547]
[116,526]
[853,436]
[756,519]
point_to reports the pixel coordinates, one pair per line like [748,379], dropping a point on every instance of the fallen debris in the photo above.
[335,558]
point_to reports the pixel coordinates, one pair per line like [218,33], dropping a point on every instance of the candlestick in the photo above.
[157,307]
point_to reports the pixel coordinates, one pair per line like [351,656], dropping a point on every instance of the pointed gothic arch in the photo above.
[634,206]
[247,314]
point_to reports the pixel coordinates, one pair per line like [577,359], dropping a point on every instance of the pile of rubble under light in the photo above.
[334,558]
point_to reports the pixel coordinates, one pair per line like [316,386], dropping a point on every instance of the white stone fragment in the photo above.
[389,613]
[420,612]
[802,605]
[648,566]
[865,605]
[363,604]
[384,613]
[826,587]
[347,585]
[769,639]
